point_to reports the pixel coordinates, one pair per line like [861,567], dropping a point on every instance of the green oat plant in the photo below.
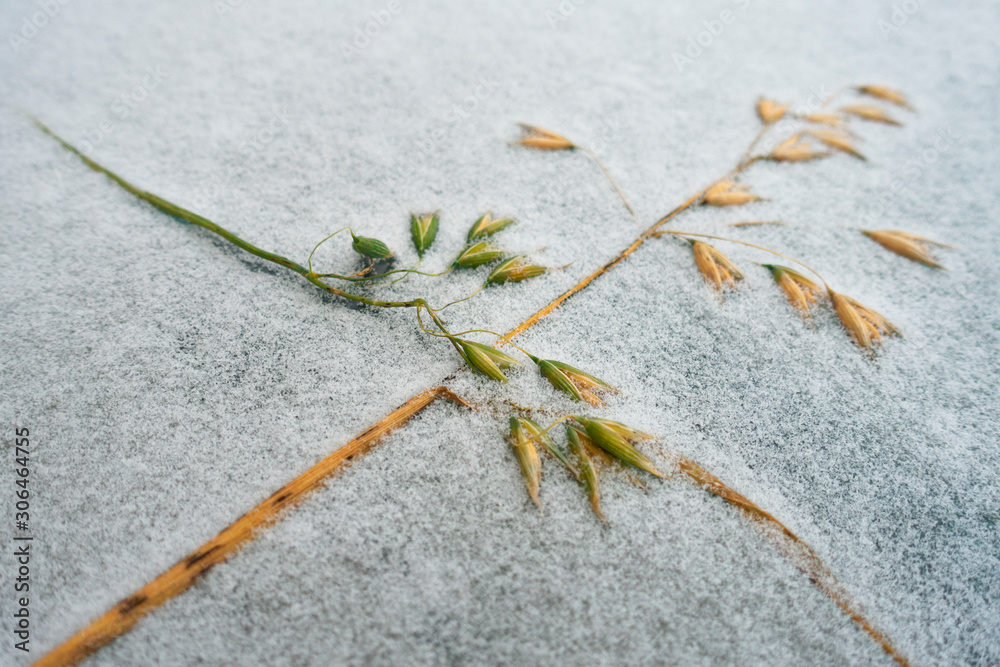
[592,439]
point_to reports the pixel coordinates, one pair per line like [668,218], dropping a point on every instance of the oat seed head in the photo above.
[887,94]
[423,229]
[837,139]
[908,245]
[831,119]
[714,265]
[770,111]
[863,324]
[727,193]
[527,458]
[536,137]
[870,112]
[795,149]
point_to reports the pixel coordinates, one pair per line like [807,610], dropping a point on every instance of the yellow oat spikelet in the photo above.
[800,291]
[716,267]
[770,111]
[728,193]
[794,149]
[908,245]
[838,140]
[887,94]
[536,137]
[863,324]
[831,119]
[870,112]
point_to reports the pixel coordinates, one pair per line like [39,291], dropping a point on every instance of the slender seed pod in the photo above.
[887,94]
[527,459]
[578,441]
[872,113]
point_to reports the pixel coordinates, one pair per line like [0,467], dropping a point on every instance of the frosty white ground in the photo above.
[171,382]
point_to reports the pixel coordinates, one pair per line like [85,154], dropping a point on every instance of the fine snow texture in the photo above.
[171,382]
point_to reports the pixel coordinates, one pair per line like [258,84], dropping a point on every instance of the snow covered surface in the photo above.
[171,382]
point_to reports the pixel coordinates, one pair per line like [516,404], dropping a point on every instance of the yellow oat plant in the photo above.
[770,111]
[887,94]
[838,140]
[864,325]
[728,193]
[910,246]
[715,266]
[800,291]
[536,137]
[870,112]
[831,119]
[795,149]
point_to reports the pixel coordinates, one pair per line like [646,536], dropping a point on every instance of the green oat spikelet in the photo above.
[618,440]
[485,359]
[487,226]
[572,381]
[527,458]
[515,270]
[424,228]
[548,444]
[478,254]
[578,441]
[370,247]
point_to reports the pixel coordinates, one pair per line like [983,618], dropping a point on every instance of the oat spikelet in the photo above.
[770,111]
[536,137]
[716,267]
[887,94]
[794,149]
[831,119]
[727,193]
[908,245]
[800,291]
[837,139]
[863,324]
[527,458]
[872,113]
